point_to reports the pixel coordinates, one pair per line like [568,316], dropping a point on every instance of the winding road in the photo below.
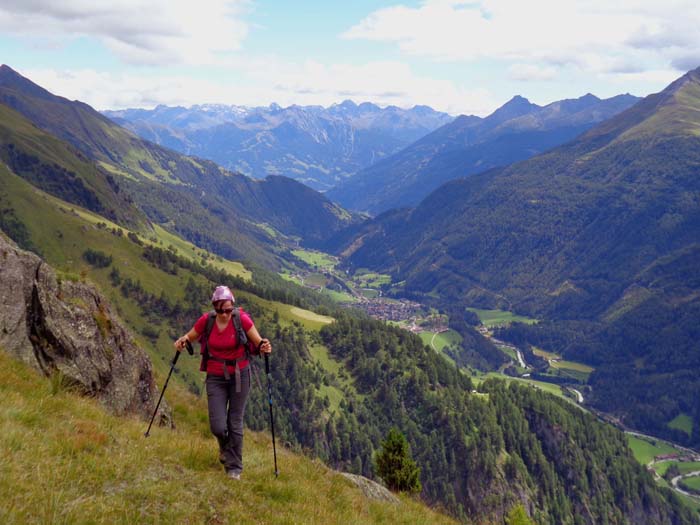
[579,396]
[675,481]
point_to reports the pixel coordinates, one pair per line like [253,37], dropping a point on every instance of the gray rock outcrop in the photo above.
[371,489]
[67,327]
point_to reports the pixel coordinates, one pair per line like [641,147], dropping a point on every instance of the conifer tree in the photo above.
[395,465]
[518,516]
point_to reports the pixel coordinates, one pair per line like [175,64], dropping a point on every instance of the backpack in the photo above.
[242,339]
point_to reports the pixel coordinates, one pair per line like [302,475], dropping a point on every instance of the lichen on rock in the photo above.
[67,327]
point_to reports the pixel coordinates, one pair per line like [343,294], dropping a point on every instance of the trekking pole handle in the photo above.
[177,356]
[188,345]
[267,364]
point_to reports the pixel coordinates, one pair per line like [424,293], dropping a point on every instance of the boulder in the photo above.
[60,326]
[371,489]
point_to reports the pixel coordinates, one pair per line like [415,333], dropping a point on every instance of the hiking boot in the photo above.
[233,474]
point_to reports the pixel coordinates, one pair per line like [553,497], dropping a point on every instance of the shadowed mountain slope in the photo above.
[224,212]
[516,131]
[604,230]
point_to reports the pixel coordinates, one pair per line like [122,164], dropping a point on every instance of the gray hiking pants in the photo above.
[226,409]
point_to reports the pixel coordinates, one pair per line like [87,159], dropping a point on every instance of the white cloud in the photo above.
[155,33]
[531,72]
[584,34]
[267,81]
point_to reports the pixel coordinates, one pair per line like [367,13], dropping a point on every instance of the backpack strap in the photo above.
[243,340]
[240,333]
[205,341]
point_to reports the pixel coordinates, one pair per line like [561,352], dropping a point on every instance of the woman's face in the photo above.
[224,309]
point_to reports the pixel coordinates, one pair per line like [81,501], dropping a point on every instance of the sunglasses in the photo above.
[224,310]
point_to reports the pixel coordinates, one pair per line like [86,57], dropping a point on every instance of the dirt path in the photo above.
[674,483]
[579,396]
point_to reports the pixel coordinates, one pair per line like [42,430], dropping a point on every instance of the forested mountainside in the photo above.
[341,382]
[599,236]
[340,386]
[516,131]
[92,162]
[314,145]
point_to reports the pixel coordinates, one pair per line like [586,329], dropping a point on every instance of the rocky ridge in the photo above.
[60,326]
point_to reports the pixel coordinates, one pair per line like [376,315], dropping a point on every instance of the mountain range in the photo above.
[598,238]
[73,152]
[315,145]
[516,131]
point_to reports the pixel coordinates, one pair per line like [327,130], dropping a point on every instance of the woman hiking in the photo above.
[225,361]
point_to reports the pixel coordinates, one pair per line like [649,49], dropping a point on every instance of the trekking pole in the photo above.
[190,351]
[272,418]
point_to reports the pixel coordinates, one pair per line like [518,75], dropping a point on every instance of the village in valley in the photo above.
[363,290]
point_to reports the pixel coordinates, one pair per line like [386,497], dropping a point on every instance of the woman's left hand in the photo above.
[265,347]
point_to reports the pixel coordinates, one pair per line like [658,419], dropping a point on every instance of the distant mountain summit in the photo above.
[517,130]
[315,145]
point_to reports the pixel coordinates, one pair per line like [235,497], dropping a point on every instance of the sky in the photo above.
[455,56]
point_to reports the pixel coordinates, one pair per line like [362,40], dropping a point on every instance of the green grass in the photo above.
[545,387]
[332,367]
[441,340]
[663,466]
[693,482]
[316,279]
[339,297]
[571,365]
[683,466]
[367,279]
[64,460]
[688,466]
[288,313]
[494,318]
[645,451]
[321,354]
[682,422]
[577,371]
[308,315]
[542,353]
[269,230]
[318,259]
[188,250]
[509,352]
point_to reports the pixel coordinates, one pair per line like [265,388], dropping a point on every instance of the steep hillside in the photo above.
[469,145]
[221,211]
[60,169]
[99,468]
[604,230]
[317,146]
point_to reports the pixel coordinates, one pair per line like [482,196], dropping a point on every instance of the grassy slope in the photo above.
[73,230]
[441,340]
[693,483]
[50,151]
[645,451]
[64,460]
[62,245]
[682,422]
[546,387]
[493,318]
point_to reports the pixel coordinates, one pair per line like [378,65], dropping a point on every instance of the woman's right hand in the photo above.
[180,343]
